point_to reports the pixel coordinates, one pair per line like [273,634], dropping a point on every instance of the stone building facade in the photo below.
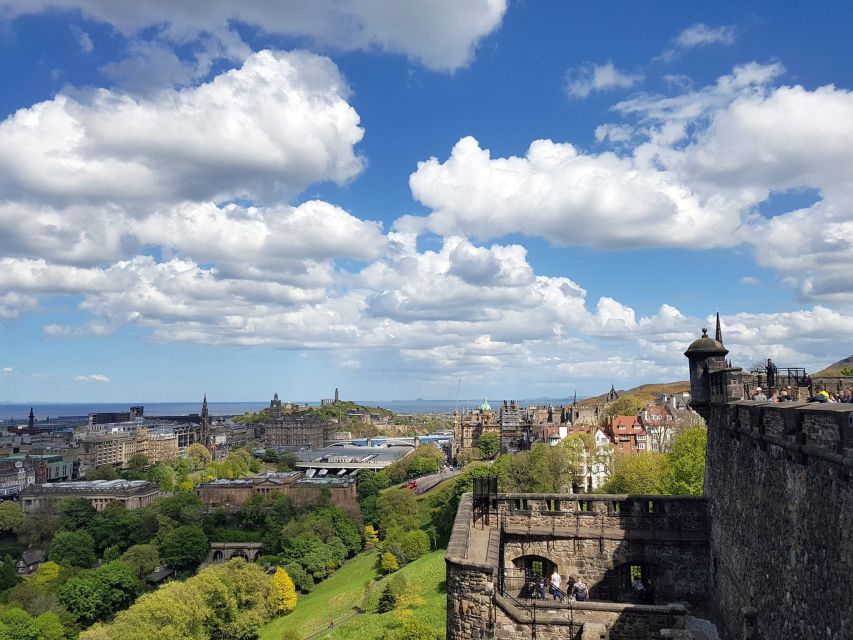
[114,447]
[295,430]
[134,494]
[339,492]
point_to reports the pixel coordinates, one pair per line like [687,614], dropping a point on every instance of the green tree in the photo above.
[47,576]
[398,508]
[163,474]
[198,455]
[185,507]
[446,501]
[86,597]
[50,626]
[414,544]
[138,462]
[37,529]
[287,461]
[17,624]
[388,562]
[686,463]
[184,547]
[73,548]
[104,472]
[421,467]
[387,600]
[643,474]
[624,406]
[143,559]
[370,510]
[116,526]
[302,580]
[75,513]
[122,584]
[489,445]
[370,483]
[11,516]
[8,575]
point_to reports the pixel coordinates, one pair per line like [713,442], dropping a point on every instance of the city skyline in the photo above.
[536,199]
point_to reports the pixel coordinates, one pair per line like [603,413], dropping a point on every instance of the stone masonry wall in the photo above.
[475,610]
[780,494]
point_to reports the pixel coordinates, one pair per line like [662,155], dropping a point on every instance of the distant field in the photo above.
[337,597]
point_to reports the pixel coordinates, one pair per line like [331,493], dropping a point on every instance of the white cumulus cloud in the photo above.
[270,128]
[440,34]
[94,377]
[589,78]
[700,35]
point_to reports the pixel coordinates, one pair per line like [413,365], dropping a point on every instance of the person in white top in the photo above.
[556,582]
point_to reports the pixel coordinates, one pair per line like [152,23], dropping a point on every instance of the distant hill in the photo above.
[645,392]
[835,368]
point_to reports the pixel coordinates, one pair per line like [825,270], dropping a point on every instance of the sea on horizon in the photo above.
[43,410]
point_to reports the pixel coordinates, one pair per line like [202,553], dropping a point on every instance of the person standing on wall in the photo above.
[771,370]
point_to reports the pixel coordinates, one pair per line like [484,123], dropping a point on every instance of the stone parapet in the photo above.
[484,602]
[779,483]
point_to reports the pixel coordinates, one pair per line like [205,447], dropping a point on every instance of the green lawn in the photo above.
[333,598]
[425,592]
[337,597]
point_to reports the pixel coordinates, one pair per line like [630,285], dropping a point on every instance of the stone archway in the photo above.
[525,571]
[223,551]
[621,573]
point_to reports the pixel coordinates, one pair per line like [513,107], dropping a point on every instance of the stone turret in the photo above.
[705,356]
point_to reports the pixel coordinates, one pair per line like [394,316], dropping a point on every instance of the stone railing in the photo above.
[585,515]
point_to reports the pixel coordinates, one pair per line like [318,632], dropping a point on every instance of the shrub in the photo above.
[387,601]
[388,562]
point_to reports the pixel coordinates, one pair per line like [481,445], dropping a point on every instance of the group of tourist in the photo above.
[644,591]
[787,395]
[575,588]
[845,395]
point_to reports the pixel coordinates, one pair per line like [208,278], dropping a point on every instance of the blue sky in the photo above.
[534,197]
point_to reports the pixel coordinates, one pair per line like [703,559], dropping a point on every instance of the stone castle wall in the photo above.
[779,482]
[583,535]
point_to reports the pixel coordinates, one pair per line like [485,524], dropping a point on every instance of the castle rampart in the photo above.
[780,495]
[780,505]
[597,537]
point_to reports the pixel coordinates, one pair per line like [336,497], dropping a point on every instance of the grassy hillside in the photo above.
[424,601]
[335,598]
[840,368]
[645,392]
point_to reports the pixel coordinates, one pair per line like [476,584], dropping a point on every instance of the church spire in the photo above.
[718,336]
